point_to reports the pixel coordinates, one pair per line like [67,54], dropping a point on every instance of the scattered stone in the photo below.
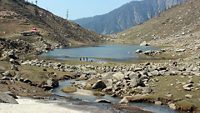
[99,85]
[124,101]
[136,82]
[169,95]
[118,75]
[103,101]
[69,89]
[53,83]
[188,87]
[172,106]
[138,51]
[146,90]
[7,73]
[6,98]
[158,103]
[144,44]
[27,81]
[11,94]
[188,96]
[6,78]
[180,50]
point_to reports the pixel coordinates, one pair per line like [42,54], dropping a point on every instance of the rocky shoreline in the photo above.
[131,82]
[127,81]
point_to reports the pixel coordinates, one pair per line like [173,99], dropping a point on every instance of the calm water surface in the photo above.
[99,53]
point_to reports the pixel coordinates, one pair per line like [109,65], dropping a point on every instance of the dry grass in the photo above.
[168,85]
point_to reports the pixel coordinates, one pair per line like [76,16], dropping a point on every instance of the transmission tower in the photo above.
[36,2]
[67,14]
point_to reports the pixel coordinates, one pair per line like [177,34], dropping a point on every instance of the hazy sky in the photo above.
[80,8]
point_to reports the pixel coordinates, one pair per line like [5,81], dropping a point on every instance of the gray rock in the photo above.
[136,82]
[188,87]
[149,52]
[27,81]
[144,44]
[118,76]
[6,78]
[124,101]
[172,106]
[188,96]
[52,83]
[158,103]
[11,94]
[99,85]
[6,98]
[146,90]
[3,82]
[138,51]
[103,101]
[155,73]
[7,73]
[180,50]
[14,67]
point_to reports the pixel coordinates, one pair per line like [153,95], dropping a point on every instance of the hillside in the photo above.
[127,16]
[17,16]
[178,27]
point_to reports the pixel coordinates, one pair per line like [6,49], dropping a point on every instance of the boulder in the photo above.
[69,89]
[158,103]
[53,83]
[144,44]
[146,90]
[138,51]
[27,81]
[172,106]
[118,76]
[103,101]
[3,82]
[6,98]
[99,85]
[11,94]
[124,101]
[107,75]
[7,73]
[188,87]
[188,96]
[136,82]
[6,78]
[12,55]
[180,50]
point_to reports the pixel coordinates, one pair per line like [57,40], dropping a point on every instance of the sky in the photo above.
[80,8]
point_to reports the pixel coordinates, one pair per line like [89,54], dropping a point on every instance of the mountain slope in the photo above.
[128,15]
[17,16]
[178,27]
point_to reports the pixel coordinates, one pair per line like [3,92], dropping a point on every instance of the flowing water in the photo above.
[87,95]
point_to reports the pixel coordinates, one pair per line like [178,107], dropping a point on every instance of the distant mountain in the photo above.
[127,16]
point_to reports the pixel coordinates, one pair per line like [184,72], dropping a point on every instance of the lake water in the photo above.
[99,53]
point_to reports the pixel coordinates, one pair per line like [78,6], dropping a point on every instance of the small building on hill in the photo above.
[32,32]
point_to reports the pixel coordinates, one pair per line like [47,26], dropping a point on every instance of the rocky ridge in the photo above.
[127,16]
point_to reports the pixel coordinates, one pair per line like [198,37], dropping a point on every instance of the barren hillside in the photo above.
[17,16]
[178,27]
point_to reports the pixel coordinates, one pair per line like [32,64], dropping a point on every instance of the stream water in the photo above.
[87,95]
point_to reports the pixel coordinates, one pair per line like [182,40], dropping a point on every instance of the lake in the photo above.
[100,53]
